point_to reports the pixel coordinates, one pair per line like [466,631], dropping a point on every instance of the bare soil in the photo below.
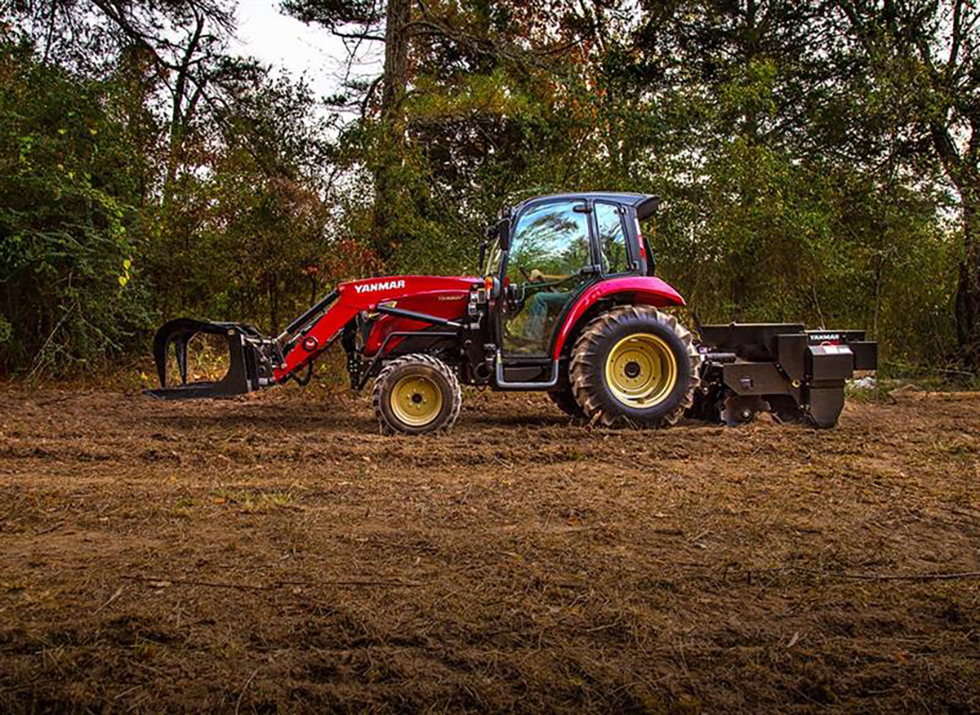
[278,553]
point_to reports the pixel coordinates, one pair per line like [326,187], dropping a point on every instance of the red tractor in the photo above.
[568,304]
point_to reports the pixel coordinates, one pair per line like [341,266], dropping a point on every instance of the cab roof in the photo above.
[644,204]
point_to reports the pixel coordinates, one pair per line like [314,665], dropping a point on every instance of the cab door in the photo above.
[550,262]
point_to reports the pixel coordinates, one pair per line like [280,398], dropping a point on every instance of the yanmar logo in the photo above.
[383,285]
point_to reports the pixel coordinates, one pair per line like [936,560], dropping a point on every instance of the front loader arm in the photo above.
[257,361]
[319,336]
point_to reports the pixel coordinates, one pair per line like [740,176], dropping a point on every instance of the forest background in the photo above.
[817,161]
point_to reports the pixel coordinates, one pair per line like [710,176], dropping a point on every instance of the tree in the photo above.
[369,22]
[72,173]
[183,44]
[155,177]
[925,64]
[456,79]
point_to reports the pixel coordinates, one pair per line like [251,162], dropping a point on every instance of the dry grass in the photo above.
[278,553]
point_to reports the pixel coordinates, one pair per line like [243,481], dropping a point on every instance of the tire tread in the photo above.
[585,374]
[456,392]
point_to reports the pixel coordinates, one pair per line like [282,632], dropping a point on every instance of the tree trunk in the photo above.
[396,55]
[968,287]
[962,170]
[394,83]
[180,115]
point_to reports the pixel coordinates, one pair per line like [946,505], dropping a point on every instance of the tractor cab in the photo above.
[548,251]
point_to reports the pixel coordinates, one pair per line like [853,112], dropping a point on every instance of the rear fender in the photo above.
[639,290]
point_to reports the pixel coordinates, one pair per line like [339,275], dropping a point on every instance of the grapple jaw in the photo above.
[251,359]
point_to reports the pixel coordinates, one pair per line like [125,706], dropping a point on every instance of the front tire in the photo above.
[635,365]
[416,394]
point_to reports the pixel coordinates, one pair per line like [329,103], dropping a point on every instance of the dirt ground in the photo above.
[277,553]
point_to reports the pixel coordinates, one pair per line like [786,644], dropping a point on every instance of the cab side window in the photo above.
[612,239]
[548,252]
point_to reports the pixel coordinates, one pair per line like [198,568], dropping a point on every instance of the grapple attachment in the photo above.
[251,359]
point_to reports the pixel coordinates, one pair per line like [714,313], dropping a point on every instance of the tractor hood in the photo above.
[436,296]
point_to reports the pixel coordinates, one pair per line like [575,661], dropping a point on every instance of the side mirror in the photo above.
[482,260]
[503,234]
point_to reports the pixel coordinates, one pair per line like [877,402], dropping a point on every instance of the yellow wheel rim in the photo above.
[416,400]
[641,370]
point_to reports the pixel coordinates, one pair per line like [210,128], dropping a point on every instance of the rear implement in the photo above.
[798,375]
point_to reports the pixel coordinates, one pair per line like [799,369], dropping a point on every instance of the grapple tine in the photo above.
[180,348]
[180,331]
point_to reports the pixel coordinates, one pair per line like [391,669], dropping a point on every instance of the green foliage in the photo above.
[248,237]
[797,183]
[70,291]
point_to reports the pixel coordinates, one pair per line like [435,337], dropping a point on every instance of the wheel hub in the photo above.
[416,400]
[641,370]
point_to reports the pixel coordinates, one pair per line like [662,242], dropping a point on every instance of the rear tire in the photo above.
[635,365]
[416,394]
[564,399]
